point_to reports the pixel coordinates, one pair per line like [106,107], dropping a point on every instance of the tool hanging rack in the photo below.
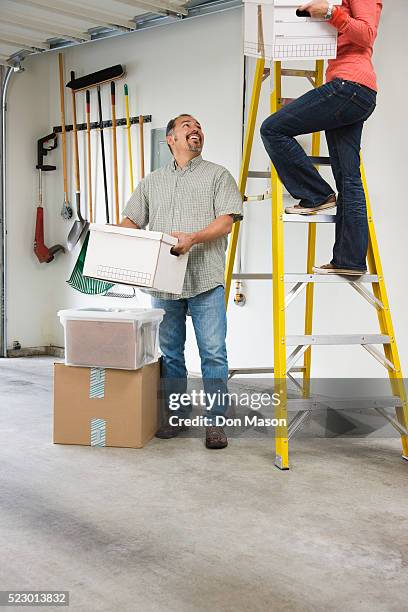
[106,124]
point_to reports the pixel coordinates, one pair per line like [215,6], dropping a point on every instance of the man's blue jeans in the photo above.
[209,319]
[339,108]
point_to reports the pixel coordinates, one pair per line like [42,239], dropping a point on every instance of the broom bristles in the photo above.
[96,78]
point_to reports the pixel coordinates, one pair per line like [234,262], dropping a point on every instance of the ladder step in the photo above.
[320,161]
[259,174]
[331,339]
[316,218]
[335,278]
[252,276]
[298,73]
[311,278]
[234,371]
[346,403]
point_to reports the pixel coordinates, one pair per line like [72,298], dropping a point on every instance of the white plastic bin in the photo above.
[111,338]
[135,257]
[273,31]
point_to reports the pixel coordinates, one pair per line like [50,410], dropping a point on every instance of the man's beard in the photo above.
[195,148]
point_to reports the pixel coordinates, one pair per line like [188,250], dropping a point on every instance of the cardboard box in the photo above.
[135,257]
[117,338]
[98,407]
[273,31]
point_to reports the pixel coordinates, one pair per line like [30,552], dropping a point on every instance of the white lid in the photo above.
[112,314]
[138,233]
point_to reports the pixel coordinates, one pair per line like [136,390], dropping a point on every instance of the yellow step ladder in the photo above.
[284,365]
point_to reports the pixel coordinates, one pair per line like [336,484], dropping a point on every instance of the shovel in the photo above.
[81,225]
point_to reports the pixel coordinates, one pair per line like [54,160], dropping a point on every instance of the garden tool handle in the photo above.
[115,152]
[129,140]
[75,134]
[113,94]
[141,138]
[89,157]
[105,183]
[63,130]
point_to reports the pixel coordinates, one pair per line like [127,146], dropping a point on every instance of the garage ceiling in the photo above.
[35,26]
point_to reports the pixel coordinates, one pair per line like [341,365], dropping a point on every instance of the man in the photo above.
[196,201]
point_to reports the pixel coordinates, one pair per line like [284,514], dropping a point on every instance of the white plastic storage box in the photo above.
[273,31]
[111,338]
[135,257]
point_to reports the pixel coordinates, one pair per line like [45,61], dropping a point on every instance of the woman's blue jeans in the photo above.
[209,319]
[339,108]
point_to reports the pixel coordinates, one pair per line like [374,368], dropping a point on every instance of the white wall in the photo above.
[196,66]
[192,66]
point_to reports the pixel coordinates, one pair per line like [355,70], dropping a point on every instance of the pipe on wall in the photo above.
[5,78]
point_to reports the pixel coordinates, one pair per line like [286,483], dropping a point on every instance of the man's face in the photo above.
[187,136]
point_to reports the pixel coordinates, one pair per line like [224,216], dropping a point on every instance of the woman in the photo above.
[340,107]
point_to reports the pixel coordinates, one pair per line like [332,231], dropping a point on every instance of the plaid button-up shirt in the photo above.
[173,199]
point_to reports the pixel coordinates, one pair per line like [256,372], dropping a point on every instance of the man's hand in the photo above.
[221,226]
[317,8]
[185,242]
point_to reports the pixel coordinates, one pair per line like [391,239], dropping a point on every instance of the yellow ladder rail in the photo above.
[243,176]
[385,319]
[311,253]
[278,283]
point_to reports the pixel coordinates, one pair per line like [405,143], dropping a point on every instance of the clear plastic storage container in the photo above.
[111,338]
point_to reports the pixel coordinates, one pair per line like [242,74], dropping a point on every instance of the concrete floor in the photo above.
[174,527]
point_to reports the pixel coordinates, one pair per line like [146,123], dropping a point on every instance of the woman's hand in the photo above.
[317,8]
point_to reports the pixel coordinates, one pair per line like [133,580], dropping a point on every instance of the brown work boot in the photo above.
[215,437]
[167,431]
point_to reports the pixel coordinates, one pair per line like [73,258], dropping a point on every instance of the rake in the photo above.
[85,284]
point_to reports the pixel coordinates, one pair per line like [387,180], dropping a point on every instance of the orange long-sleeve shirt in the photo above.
[357,23]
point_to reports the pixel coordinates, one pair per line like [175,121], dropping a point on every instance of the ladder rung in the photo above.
[344,403]
[258,174]
[233,371]
[252,276]
[265,174]
[310,278]
[331,339]
[329,278]
[298,73]
[320,161]
[314,218]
